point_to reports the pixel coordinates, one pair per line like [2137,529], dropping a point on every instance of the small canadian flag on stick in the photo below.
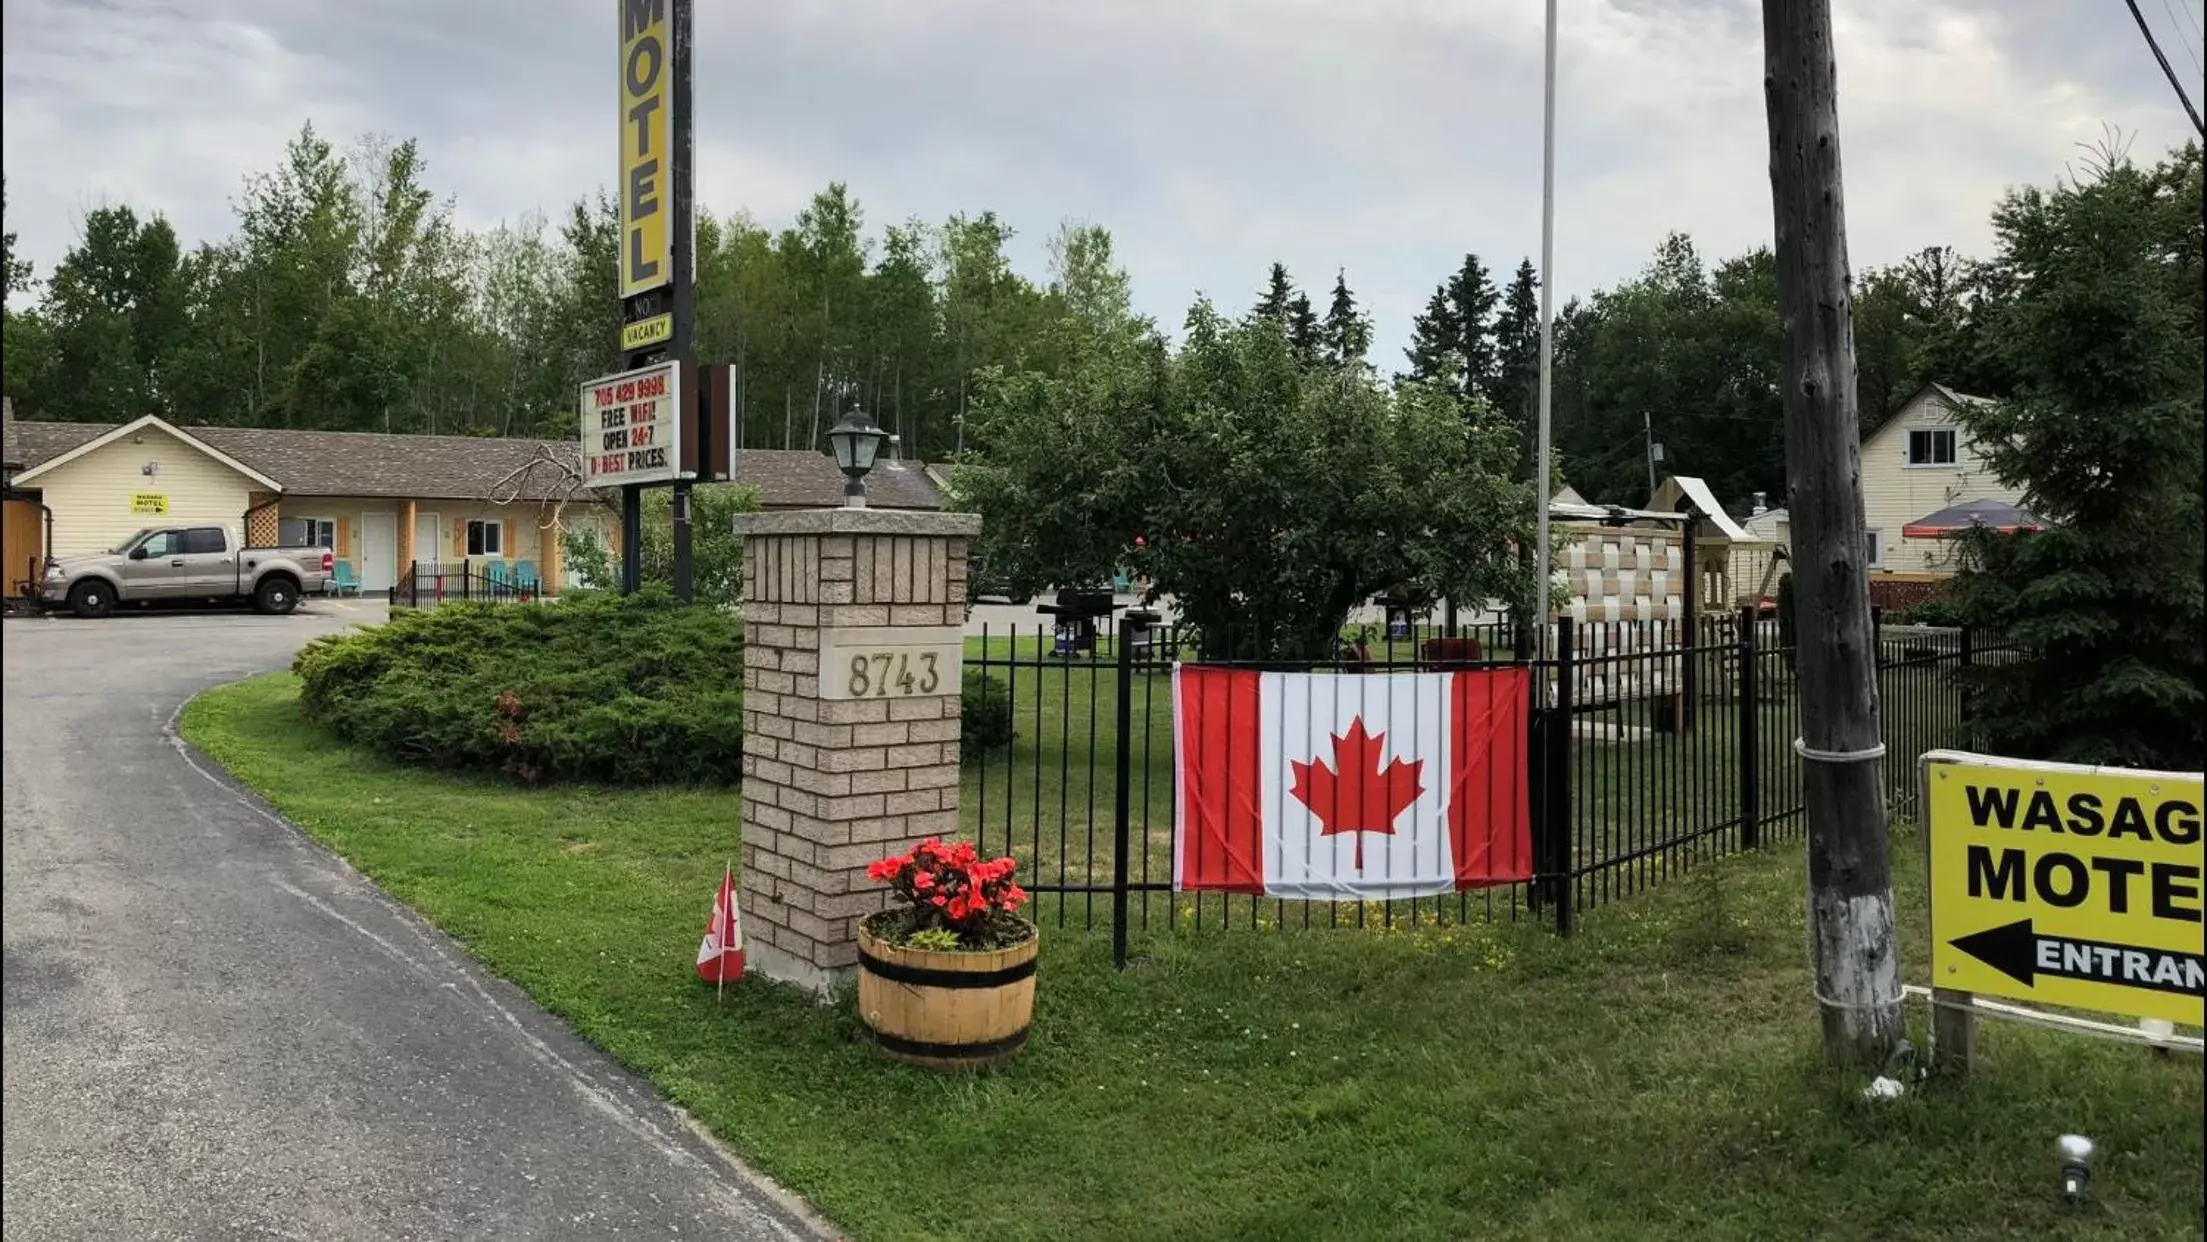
[720,954]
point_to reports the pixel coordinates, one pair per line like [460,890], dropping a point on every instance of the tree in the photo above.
[2102,328]
[1347,333]
[716,551]
[17,271]
[1305,335]
[1854,963]
[115,309]
[1270,498]
[1471,299]
[907,329]
[1278,297]
[1433,343]
[1517,359]
[1089,291]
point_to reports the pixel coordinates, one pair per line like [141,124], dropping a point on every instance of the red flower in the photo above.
[951,887]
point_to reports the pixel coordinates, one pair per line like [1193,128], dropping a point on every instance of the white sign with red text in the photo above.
[631,427]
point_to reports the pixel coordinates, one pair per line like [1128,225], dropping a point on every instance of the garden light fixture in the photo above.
[2075,1151]
[856,442]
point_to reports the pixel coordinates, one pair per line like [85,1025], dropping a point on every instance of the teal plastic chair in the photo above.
[342,579]
[524,577]
[498,575]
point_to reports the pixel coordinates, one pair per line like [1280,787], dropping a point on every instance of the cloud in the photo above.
[1386,137]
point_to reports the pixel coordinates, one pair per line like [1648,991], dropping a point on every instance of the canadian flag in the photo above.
[1351,786]
[720,954]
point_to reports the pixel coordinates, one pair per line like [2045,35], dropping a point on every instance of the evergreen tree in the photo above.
[2101,325]
[1433,342]
[1347,333]
[1471,300]
[1517,357]
[1278,297]
[1304,333]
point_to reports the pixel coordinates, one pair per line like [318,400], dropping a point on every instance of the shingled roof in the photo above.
[363,463]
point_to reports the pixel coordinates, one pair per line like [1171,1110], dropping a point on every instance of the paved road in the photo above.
[216,1029]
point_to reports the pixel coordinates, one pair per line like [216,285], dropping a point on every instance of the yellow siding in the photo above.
[521,543]
[1895,493]
[90,496]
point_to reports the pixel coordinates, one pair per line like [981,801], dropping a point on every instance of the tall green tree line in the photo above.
[346,298]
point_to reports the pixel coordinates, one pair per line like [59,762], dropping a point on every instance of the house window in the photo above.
[486,538]
[308,532]
[1931,447]
[1876,549]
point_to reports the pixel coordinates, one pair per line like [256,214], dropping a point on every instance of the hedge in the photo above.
[641,690]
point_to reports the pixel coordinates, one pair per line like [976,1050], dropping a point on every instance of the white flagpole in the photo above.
[1541,468]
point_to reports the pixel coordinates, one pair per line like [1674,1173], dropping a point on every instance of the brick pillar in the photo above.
[853,638]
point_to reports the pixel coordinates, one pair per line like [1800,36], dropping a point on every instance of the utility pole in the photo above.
[1850,909]
[1647,433]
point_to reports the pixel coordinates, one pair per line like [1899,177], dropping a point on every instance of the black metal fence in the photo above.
[1657,752]
[426,584]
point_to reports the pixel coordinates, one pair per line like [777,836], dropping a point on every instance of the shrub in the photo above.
[633,690]
[1938,610]
[716,550]
[987,723]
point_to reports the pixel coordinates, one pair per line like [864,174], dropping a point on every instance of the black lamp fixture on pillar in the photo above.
[856,442]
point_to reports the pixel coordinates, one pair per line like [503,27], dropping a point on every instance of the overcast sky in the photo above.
[1211,136]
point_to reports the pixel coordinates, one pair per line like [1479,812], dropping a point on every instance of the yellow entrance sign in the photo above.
[2067,885]
[155,503]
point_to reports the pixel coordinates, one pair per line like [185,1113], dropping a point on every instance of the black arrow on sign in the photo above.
[2021,953]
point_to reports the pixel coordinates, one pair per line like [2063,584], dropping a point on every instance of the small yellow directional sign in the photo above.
[645,333]
[2067,885]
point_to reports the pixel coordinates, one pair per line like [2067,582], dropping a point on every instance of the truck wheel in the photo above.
[276,596]
[92,600]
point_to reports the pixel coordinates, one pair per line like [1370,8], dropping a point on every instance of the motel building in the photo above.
[380,502]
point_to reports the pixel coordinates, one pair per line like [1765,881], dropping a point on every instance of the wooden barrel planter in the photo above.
[946,1010]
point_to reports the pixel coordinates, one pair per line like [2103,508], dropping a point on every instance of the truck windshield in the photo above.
[124,546]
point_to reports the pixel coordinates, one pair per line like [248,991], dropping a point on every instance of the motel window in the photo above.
[486,538]
[311,532]
[1931,447]
[1876,549]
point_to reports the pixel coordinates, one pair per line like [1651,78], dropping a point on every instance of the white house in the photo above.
[1918,463]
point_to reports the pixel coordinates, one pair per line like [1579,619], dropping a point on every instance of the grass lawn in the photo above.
[1656,1076]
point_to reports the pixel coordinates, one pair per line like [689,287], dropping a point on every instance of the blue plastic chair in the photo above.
[499,577]
[341,579]
[524,577]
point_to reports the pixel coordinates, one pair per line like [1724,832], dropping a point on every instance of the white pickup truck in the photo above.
[186,564]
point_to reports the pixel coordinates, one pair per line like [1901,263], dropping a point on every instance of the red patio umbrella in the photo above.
[1955,519]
